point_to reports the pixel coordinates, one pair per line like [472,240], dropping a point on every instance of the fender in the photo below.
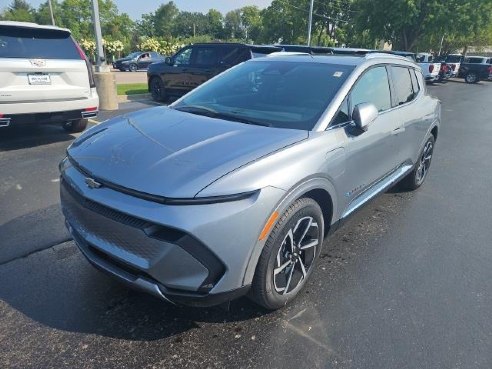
[296,192]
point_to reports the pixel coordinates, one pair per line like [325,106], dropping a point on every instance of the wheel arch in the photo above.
[320,190]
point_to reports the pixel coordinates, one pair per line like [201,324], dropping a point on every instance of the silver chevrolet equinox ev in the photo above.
[232,188]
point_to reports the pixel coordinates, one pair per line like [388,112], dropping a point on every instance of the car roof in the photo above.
[32,25]
[348,59]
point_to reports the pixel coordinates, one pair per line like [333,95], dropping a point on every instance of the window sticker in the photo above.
[337,74]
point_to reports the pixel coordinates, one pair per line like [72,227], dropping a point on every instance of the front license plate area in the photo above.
[39,79]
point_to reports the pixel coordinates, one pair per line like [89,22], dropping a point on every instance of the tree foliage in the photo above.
[416,25]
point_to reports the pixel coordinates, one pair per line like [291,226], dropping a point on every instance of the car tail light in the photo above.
[490,69]
[92,82]
[94,108]
[431,68]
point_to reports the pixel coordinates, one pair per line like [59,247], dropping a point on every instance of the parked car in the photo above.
[475,72]
[454,61]
[429,67]
[478,60]
[45,77]
[137,60]
[232,189]
[195,64]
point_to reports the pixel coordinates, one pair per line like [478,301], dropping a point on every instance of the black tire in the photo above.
[157,89]
[417,176]
[471,77]
[266,287]
[133,67]
[75,126]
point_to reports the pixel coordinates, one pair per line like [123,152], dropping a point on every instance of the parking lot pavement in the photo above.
[130,77]
[405,284]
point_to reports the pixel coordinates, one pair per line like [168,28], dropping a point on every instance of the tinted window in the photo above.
[453,59]
[373,87]
[274,93]
[403,85]
[205,56]
[234,55]
[183,58]
[474,60]
[36,43]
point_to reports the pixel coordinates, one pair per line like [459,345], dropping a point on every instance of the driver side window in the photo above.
[183,58]
[372,87]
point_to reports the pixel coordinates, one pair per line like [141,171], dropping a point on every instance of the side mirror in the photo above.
[168,61]
[364,114]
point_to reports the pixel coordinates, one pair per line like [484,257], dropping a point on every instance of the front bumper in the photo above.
[189,254]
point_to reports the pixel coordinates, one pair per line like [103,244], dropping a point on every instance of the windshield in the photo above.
[273,93]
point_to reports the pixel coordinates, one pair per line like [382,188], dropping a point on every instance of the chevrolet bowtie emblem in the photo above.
[91,183]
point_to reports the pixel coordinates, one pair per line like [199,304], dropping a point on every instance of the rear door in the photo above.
[40,65]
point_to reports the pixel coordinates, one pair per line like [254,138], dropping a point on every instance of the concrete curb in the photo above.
[129,98]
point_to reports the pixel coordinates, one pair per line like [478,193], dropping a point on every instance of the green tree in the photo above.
[19,10]
[414,24]
[251,22]
[164,18]
[215,23]
[232,25]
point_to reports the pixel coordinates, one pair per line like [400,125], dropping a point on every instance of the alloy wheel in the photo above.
[296,255]
[424,163]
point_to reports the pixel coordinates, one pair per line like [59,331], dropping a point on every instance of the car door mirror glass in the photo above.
[363,115]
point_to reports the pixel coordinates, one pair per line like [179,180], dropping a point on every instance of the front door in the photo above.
[372,154]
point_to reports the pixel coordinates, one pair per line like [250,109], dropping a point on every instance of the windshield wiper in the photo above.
[209,112]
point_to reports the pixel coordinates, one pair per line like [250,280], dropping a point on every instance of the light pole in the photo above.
[310,24]
[51,13]
[101,65]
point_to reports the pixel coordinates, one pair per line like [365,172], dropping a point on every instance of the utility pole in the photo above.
[101,65]
[105,81]
[51,13]
[310,24]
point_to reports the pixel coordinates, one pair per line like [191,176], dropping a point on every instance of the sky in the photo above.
[135,8]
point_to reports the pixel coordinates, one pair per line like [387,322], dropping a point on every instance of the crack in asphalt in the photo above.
[36,251]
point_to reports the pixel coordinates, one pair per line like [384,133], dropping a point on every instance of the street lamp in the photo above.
[51,13]
[310,23]
[101,65]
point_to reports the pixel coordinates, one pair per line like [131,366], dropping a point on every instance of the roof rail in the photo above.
[287,53]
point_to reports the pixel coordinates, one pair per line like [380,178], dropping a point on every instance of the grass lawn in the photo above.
[132,88]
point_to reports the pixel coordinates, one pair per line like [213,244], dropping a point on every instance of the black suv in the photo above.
[195,64]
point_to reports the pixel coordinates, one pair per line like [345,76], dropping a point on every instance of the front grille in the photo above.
[104,210]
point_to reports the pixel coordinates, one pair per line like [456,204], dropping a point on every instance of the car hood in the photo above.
[165,152]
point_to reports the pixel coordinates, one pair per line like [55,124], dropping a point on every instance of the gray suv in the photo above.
[232,189]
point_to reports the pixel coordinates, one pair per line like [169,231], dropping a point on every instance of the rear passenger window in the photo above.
[373,87]
[206,56]
[403,85]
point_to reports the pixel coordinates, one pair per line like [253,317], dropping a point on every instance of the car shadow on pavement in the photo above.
[25,136]
[59,289]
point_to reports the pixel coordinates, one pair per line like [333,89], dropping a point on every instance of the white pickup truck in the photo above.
[429,68]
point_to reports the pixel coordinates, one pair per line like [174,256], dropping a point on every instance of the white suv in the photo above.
[45,77]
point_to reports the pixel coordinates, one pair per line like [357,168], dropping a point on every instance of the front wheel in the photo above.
[289,255]
[133,67]
[75,126]
[417,176]
[157,89]
[471,77]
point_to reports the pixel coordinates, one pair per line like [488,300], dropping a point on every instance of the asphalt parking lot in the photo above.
[406,283]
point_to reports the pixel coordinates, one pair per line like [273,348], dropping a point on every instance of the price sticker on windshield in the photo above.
[337,74]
